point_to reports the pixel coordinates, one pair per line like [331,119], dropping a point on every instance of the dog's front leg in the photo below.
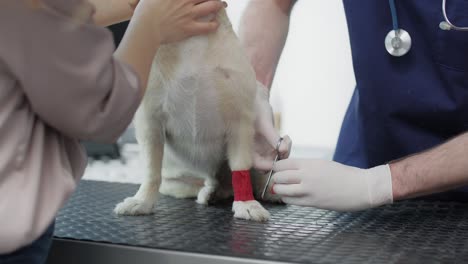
[150,135]
[240,142]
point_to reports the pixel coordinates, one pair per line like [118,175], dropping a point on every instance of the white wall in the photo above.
[315,78]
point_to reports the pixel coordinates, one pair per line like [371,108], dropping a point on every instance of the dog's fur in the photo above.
[197,113]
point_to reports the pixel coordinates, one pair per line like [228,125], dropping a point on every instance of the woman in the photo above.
[60,83]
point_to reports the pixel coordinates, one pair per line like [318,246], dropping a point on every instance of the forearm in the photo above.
[263,32]
[138,49]
[109,12]
[439,169]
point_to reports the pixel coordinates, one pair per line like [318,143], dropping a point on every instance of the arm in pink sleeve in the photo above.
[69,74]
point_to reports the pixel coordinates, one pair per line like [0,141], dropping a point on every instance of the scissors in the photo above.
[274,162]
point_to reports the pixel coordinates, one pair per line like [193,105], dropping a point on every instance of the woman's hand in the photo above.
[175,20]
[157,22]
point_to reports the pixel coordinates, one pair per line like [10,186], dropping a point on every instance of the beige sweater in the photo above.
[59,84]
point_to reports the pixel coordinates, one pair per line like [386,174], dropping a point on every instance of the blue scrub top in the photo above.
[404,105]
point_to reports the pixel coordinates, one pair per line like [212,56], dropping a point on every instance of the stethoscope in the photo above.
[398,41]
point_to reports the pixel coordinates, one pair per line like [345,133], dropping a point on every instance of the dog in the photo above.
[195,125]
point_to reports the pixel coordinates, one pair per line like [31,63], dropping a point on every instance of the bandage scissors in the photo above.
[272,168]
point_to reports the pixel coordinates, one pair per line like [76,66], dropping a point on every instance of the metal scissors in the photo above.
[274,162]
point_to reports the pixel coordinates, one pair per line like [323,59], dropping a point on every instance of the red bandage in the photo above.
[242,186]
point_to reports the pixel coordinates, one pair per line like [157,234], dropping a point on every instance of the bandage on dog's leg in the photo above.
[240,158]
[242,186]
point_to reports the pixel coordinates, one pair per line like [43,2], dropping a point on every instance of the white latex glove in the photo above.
[331,185]
[266,135]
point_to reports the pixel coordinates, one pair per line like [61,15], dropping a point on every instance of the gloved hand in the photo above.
[266,136]
[331,185]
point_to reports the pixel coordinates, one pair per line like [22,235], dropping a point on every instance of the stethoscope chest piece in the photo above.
[398,42]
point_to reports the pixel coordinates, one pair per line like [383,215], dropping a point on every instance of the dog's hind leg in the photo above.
[204,195]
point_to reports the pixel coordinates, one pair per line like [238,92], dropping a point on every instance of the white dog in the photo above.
[198,113]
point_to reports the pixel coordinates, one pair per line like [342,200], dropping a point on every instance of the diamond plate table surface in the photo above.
[412,231]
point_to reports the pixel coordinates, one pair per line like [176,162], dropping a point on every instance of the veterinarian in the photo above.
[60,83]
[404,133]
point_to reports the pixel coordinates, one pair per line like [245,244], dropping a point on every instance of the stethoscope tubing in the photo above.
[394,14]
[447,24]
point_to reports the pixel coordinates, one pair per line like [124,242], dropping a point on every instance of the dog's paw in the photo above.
[205,194]
[133,206]
[250,210]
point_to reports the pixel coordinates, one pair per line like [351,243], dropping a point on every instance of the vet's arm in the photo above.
[263,31]
[334,186]
[109,12]
[439,169]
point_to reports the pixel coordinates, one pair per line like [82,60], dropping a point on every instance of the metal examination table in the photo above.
[417,231]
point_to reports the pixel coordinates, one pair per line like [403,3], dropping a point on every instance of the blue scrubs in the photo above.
[404,105]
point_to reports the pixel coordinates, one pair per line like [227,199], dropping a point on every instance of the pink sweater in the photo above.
[59,83]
